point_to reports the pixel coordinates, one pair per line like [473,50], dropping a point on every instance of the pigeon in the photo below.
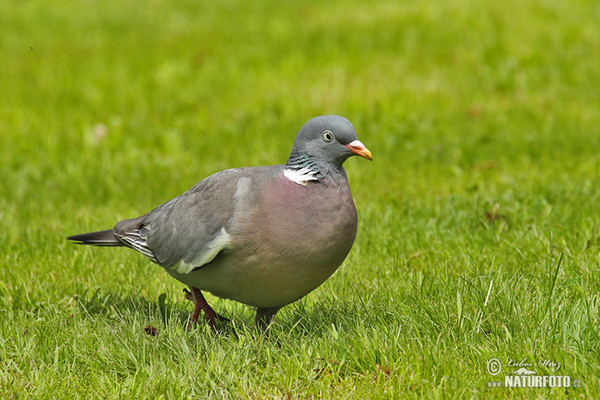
[263,236]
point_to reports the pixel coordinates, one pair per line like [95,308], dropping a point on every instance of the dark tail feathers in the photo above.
[100,238]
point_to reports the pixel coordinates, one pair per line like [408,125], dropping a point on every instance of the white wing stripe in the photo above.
[220,242]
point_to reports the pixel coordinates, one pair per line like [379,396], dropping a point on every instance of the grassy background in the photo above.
[479,231]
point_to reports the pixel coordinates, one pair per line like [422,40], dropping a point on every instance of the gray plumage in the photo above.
[263,236]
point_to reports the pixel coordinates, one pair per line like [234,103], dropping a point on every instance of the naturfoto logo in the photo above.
[523,374]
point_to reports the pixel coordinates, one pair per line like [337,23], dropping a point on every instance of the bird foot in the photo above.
[200,303]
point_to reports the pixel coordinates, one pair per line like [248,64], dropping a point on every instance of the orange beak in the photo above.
[359,149]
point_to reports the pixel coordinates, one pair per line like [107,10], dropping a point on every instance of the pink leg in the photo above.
[200,303]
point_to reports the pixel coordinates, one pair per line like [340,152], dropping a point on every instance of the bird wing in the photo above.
[190,230]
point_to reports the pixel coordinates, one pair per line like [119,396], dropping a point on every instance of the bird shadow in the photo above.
[163,311]
[299,319]
[116,305]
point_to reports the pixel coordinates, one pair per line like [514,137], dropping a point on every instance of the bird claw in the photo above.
[222,318]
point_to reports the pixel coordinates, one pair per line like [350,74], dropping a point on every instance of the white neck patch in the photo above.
[300,176]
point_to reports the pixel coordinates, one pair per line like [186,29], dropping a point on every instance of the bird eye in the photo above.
[327,136]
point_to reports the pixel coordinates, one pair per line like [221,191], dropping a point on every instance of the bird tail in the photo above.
[100,238]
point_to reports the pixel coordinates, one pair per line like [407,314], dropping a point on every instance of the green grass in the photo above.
[479,231]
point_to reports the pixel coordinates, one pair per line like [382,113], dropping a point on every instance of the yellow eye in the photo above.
[327,136]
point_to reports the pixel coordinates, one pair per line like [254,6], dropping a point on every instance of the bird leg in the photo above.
[264,316]
[200,303]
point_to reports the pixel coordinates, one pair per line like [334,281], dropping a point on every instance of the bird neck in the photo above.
[307,164]
[303,168]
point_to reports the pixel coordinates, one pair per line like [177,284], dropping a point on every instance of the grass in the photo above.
[479,231]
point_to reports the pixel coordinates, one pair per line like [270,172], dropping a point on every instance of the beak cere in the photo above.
[356,147]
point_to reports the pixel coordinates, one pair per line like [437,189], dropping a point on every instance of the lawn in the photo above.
[479,218]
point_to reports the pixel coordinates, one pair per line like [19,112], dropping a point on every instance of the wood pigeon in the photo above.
[263,236]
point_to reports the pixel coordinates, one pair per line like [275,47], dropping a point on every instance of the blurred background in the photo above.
[125,104]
